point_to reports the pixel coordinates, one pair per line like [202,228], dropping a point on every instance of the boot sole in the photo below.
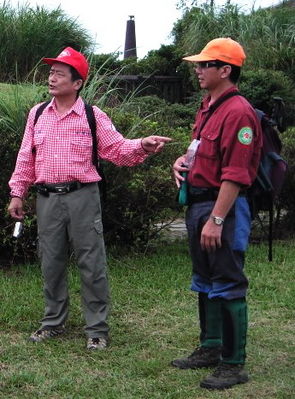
[194,367]
[206,385]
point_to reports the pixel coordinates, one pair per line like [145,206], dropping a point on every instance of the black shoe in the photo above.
[201,357]
[225,376]
[46,333]
[97,343]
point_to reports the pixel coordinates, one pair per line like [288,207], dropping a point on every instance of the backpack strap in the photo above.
[40,110]
[215,105]
[92,124]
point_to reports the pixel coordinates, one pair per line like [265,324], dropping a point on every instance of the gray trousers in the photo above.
[73,218]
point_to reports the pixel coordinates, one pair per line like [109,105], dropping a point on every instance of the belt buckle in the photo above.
[62,189]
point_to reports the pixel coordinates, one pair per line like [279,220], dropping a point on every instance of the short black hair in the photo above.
[76,76]
[235,70]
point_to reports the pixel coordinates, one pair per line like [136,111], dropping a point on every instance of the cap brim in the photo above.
[49,61]
[198,58]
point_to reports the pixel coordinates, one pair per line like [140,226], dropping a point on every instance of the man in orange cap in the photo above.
[226,143]
[56,156]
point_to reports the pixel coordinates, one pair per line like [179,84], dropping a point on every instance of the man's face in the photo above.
[60,81]
[209,75]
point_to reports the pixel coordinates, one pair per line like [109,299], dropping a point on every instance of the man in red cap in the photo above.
[227,141]
[56,156]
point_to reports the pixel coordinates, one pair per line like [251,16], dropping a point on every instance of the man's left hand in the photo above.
[211,236]
[154,144]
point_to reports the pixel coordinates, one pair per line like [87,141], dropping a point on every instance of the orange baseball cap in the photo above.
[222,49]
[71,57]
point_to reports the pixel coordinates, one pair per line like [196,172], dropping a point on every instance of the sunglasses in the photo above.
[207,64]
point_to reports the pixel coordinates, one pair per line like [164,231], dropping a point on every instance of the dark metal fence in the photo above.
[169,88]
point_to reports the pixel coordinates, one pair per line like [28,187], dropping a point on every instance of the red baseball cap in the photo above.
[71,57]
[222,49]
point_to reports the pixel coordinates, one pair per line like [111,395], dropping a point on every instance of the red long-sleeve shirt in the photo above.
[230,144]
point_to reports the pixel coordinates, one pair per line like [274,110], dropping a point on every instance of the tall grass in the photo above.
[153,320]
[28,34]
[267,34]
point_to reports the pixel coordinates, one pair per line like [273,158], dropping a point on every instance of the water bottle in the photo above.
[191,153]
[189,161]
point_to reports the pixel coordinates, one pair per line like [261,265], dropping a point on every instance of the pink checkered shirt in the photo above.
[59,148]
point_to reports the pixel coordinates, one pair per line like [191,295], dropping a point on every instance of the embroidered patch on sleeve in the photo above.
[245,135]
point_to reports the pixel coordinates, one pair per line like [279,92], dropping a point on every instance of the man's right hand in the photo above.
[178,168]
[15,208]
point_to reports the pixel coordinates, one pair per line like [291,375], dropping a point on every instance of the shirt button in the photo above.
[55,155]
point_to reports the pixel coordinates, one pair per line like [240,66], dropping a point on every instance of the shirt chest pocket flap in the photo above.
[81,146]
[38,145]
[209,146]
[38,139]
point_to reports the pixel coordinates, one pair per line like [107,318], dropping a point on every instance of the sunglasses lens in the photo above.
[206,64]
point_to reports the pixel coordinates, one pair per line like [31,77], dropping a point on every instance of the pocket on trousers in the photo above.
[98,226]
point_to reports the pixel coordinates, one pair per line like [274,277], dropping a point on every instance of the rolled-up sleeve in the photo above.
[240,149]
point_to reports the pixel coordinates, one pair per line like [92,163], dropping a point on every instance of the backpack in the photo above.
[92,124]
[271,171]
[272,167]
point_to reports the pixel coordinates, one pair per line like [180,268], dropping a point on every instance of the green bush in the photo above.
[141,196]
[286,202]
[260,86]
[157,109]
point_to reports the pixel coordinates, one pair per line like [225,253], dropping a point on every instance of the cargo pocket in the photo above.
[98,226]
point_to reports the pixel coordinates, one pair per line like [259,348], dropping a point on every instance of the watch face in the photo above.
[217,220]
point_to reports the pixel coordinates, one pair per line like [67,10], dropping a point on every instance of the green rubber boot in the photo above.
[231,369]
[210,321]
[235,324]
[209,353]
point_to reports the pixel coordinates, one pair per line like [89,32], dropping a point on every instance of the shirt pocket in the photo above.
[81,149]
[38,146]
[209,145]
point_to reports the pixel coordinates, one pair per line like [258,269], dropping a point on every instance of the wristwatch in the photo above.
[217,220]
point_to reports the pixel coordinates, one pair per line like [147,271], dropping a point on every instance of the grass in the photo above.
[153,320]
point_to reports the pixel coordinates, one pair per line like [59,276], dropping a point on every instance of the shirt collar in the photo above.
[206,100]
[78,106]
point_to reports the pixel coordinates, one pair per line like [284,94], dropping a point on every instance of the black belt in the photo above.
[201,194]
[59,188]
